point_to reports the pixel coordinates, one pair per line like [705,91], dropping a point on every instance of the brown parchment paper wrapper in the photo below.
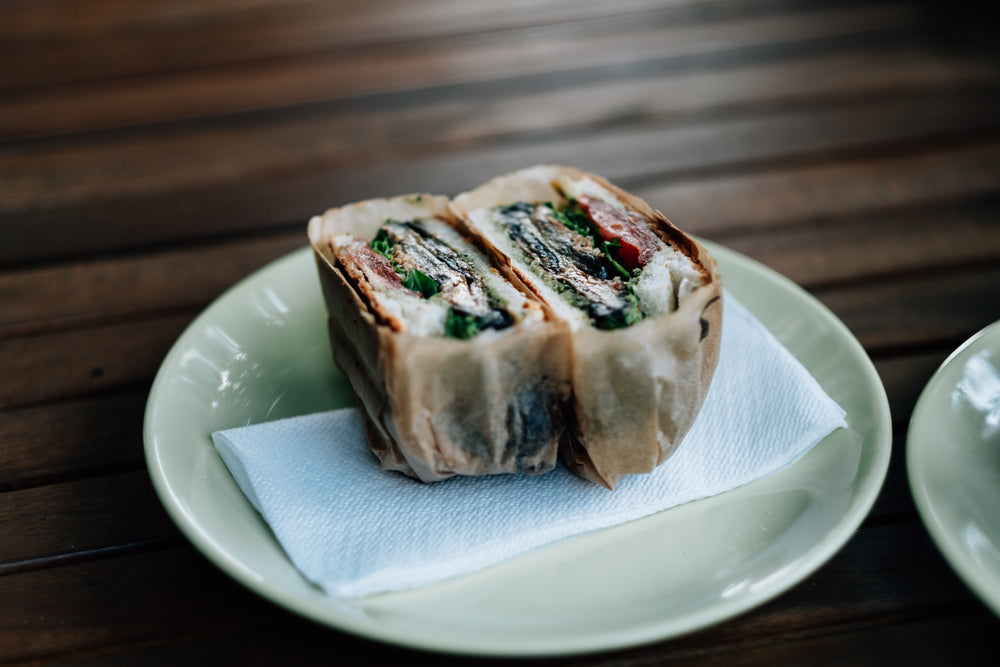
[436,407]
[635,391]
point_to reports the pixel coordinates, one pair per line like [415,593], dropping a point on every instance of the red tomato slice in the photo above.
[637,242]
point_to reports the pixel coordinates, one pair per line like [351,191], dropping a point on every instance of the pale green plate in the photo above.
[953,461]
[260,352]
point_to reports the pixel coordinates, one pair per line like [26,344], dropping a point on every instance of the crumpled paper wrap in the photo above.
[437,407]
[635,391]
[608,403]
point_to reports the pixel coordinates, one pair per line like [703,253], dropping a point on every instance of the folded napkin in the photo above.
[355,530]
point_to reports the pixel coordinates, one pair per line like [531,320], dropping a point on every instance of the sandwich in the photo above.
[458,371]
[637,300]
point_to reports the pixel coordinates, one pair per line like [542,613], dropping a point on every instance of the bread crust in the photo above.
[635,391]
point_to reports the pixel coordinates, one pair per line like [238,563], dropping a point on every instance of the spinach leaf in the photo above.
[418,281]
[573,217]
[414,279]
[382,246]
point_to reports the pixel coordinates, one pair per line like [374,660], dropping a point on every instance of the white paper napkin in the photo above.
[355,530]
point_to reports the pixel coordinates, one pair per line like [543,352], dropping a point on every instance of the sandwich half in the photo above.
[458,371]
[640,302]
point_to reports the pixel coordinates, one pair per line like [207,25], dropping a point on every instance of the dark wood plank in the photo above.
[926,310]
[145,595]
[374,20]
[84,361]
[905,376]
[57,522]
[282,640]
[875,245]
[876,189]
[620,42]
[25,21]
[958,638]
[50,43]
[61,175]
[56,441]
[638,156]
[78,293]
[895,499]
[889,573]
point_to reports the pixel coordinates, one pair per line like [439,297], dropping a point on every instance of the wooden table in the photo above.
[152,154]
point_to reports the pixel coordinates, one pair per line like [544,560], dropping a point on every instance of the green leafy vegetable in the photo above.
[606,247]
[461,325]
[418,281]
[382,245]
[577,220]
[413,279]
[573,217]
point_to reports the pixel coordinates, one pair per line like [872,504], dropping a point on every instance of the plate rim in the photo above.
[818,553]
[956,557]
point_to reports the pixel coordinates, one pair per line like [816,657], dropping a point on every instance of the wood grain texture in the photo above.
[71,294]
[126,598]
[64,174]
[927,309]
[884,573]
[656,153]
[75,519]
[153,154]
[929,185]
[85,361]
[53,442]
[487,57]
[916,642]
[117,39]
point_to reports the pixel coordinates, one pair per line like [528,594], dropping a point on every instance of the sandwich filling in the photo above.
[601,260]
[428,280]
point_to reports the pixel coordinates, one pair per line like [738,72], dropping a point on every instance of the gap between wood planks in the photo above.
[665,153]
[863,580]
[300,31]
[563,54]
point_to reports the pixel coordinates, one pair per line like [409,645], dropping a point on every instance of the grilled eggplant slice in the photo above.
[640,299]
[458,371]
